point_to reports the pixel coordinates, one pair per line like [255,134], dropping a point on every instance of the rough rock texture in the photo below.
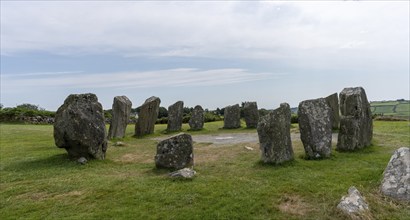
[251,113]
[185,173]
[356,124]
[79,127]
[196,122]
[175,152]
[121,110]
[175,113]
[333,102]
[396,176]
[353,204]
[147,116]
[232,116]
[274,135]
[315,127]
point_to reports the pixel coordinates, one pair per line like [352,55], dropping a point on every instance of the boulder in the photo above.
[185,173]
[354,205]
[333,102]
[274,136]
[147,116]
[121,110]
[79,127]
[175,152]
[251,114]
[315,127]
[356,124]
[175,113]
[232,117]
[196,122]
[396,176]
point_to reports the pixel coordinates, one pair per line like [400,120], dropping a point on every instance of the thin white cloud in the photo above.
[183,77]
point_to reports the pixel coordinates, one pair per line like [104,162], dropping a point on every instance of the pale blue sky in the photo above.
[208,53]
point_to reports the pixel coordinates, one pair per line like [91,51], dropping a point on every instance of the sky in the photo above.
[208,53]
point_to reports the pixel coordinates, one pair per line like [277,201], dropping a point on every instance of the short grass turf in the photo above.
[38,181]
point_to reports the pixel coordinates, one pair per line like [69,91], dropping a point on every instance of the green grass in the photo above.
[391,108]
[38,181]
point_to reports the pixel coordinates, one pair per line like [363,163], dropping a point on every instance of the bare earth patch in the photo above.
[294,205]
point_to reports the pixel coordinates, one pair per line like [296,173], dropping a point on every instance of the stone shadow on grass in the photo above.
[55,161]
[261,164]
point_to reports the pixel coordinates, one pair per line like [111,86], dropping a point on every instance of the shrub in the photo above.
[294,119]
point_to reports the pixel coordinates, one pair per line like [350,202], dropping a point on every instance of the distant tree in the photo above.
[263,112]
[1,106]
[163,112]
[187,110]
[28,106]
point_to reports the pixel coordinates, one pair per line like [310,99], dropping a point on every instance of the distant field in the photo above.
[391,108]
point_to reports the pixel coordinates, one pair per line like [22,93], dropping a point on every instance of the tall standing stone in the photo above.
[315,127]
[121,110]
[251,113]
[147,116]
[175,113]
[196,122]
[274,135]
[356,124]
[175,152]
[232,116]
[333,102]
[396,176]
[79,127]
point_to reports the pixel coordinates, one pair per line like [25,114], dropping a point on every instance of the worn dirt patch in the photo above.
[294,205]
[133,158]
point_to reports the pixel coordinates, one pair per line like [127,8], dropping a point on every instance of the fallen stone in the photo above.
[232,117]
[147,117]
[121,110]
[396,176]
[175,113]
[315,128]
[119,144]
[185,173]
[274,136]
[175,152]
[196,122]
[333,102]
[79,127]
[82,160]
[356,123]
[248,148]
[353,204]
[251,114]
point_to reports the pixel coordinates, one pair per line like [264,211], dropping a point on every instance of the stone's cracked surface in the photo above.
[274,136]
[175,152]
[232,117]
[147,116]
[79,127]
[353,204]
[196,122]
[396,177]
[121,110]
[251,114]
[315,127]
[175,113]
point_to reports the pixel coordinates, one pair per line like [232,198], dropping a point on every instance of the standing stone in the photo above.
[196,122]
[232,116]
[356,124]
[175,113]
[354,205]
[175,152]
[274,135]
[315,127]
[79,127]
[396,177]
[147,116]
[333,102]
[121,110]
[251,113]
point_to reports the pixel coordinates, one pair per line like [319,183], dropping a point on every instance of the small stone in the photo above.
[232,117]
[248,148]
[353,204]
[196,122]
[147,116]
[185,173]
[82,160]
[119,144]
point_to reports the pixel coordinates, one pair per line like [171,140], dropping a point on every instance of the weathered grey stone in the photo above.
[121,110]
[185,173]
[353,204]
[274,135]
[196,122]
[175,113]
[356,124]
[147,116]
[82,160]
[315,127]
[175,152]
[232,116]
[119,144]
[251,114]
[79,127]
[333,102]
[396,176]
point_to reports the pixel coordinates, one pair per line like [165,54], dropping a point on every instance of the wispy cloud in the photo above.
[182,77]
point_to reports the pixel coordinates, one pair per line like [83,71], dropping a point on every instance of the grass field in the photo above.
[38,181]
[391,108]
